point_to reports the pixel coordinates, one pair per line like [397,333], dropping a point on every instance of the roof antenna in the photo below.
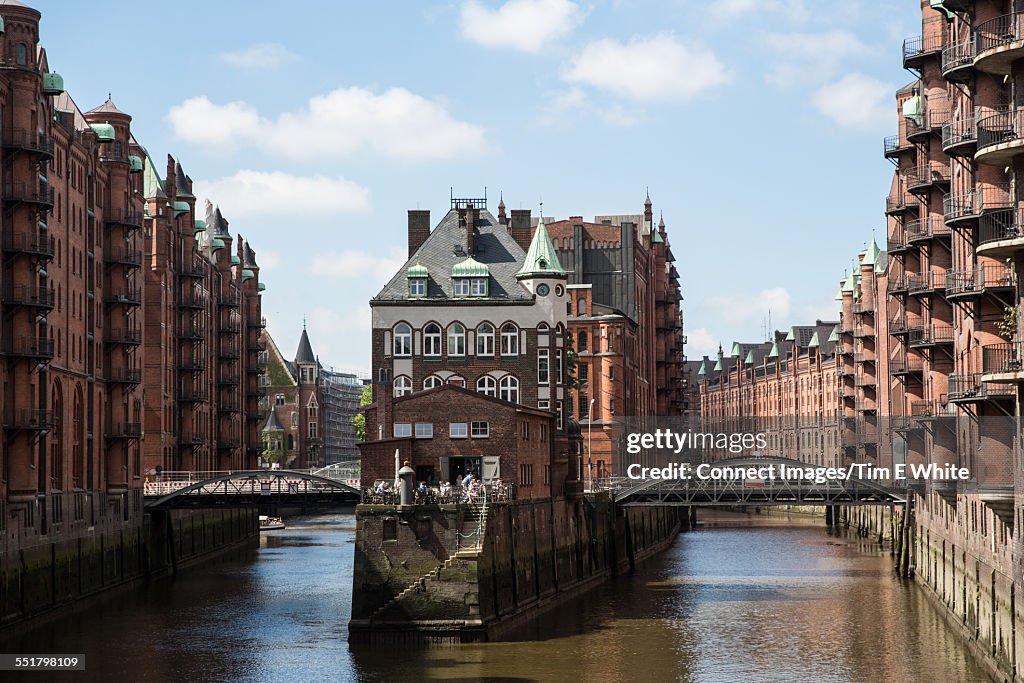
[303,323]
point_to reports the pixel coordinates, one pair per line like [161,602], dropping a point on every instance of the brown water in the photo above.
[740,599]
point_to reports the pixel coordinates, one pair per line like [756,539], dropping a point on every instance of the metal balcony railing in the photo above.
[119,216]
[192,394]
[229,351]
[1000,127]
[29,141]
[228,378]
[124,430]
[957,58]
[230,299]
[124,375]
[1001,358]
[30,296]
[918,47]
[999,32]
[982,278]
[960,133]
[192,300]
[27,419]
[906,366]
[31,193]
[1002,225]
[124,336]
[192,365]
[194,269]
[927,335]
[32,347]
[192,332]
[35,243]
[923,409]
[191,438]
[127,296]
[898,202]
[970,387]
[123,256]
[926,228]
[969,205]
[898,284]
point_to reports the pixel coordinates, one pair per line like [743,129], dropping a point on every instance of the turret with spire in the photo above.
[305,362]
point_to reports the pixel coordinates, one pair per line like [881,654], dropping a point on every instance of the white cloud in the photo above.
[526,25]
[255,193]
[699,343]
[395,123]
[258,56]
[811,57]
[739,308]
[857,101]
[658,68]
[341,337]
[355,264]
[268,260]
[568,107]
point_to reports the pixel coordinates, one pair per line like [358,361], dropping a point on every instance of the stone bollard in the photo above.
[406,477]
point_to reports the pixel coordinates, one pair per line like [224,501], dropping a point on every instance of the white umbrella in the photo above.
[397,466]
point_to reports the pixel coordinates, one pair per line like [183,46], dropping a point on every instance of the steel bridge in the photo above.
[708,492]
[249,488]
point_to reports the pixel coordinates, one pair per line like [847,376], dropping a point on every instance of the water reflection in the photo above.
[756,599]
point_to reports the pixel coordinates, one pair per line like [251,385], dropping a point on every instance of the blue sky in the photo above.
[756,124]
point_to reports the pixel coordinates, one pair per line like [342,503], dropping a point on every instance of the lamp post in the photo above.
[590,447]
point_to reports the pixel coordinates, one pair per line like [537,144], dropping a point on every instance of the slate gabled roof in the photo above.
[304,354]
[494,247]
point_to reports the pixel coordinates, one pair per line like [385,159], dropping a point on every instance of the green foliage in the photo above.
[359,419]
[1007,325]
[571,362]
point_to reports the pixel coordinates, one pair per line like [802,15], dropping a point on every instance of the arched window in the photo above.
[485,340]
[456,380]
[57,440]
[432,382]
[543,328]
[486,385]
[509,340]
[403,340]
[117,149]
[21,54]
[432,340]
[509,389]
[582,344]
[456,340]
[402,386]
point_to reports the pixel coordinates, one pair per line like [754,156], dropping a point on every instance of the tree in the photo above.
[359,419]
[571,363]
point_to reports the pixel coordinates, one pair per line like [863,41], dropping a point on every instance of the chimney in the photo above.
[522,230]
[419,228]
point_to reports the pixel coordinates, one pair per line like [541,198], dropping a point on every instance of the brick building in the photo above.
[96,279]
[479,305]
[294,394]
[624,321]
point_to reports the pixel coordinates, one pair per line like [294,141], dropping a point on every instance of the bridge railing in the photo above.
[168,482]
[385,494]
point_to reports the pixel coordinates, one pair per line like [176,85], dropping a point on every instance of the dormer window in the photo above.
[470,278]
[470,286]
[417,276]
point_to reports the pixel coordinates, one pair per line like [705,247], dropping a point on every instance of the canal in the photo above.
[741,598]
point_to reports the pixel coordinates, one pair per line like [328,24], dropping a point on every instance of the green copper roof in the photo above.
[656,238]
[104,131]
[470,268]
[199,225]
[53,84]
[247,275]
[181,207]
[718,365]
[775,350]
[848,284]
[749,360]
[839,294]
[937,5]
[814,343]
[216,244]
[871,256]
[262,287]
[235,261]
[701,372]
[834,337]
[541,257]
[417,271]
[791,336]
[913,109]
[735,350]
[152,184]
[134,163]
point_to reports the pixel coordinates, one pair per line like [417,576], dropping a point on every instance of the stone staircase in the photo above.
[470,546]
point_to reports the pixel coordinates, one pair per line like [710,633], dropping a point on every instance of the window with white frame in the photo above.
[485,340]
[424,430]
[417,286]
[478,286]
[509,340]
[432,382]
[456,340]
[403,340]
[458,430]
[402,429]
[558,365]
[480,430]
[510,389]
[487,386]
[543,366]
[312,430]
[461,286]
[544,405]
[432,340]
[402,386]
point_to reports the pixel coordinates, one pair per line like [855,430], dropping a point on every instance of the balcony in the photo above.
[192,332]
[987,278]
[31,347]
[191,438]
[231,325]
[927,336]
[1001,233]
[906,367]
[919,48]
[864,357]
[1000,136]
[230,299]
[192,300]
[124,430]
[192,365]
[30,297]
[229,443]
[123,256]
[192,395]
[898,284]
[866,406]
[26,141]
[124,376]
[39,194]
[899,203]
[864,307]
[229,351]
[1002,363]
[972,389]
[126,296]
[256,392]
[897,241]
[969,206]
[958,62]
[921,179]
[194,269]
[257,324]
[865,380]
[926,283]
[124,337]
[1000,42]
[34,243]
[924,229]
[28,420]
[892,145]
[899,327]
[228,378]
[229,407]
[960,136]
[127,217]
[924,410]
[861,331]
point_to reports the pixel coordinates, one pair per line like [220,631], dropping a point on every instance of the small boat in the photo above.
[271,523]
